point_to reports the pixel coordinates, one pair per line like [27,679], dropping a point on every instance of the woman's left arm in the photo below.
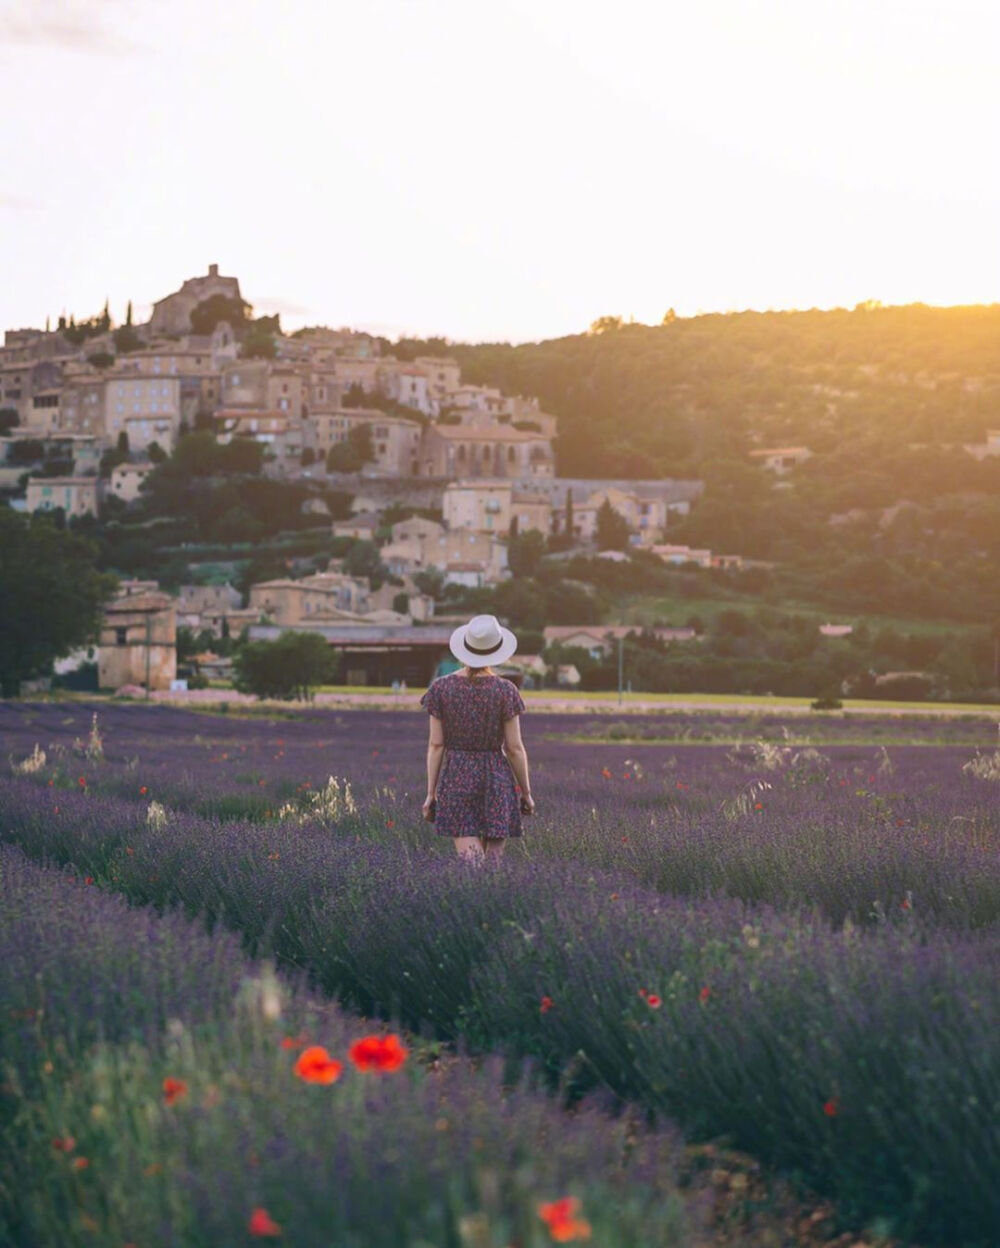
[435,756]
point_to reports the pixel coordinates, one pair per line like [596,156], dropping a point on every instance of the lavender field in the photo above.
[735,934]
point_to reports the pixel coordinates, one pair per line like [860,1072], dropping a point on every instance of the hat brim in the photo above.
[456,644]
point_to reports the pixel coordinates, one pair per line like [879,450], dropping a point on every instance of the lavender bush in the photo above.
[103,1150]
[831,975]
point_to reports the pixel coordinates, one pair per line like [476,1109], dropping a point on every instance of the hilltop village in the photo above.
[90,411]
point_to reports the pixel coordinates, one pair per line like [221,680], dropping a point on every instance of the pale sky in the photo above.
[498,169]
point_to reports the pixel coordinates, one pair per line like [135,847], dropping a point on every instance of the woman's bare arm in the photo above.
[518,757]
[435,756]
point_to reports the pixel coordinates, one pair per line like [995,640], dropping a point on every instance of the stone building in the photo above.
[138,643]
[500,451]
[76,496]
[172,314]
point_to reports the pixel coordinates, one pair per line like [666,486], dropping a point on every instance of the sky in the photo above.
[498,170]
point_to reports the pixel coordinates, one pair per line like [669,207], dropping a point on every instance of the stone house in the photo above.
[679,555]
[362,527]
[147,407]
[458,549]
[326,595]
[395,440]
[601,639]
[781,459]
[455,451]
[77,496]
[483,506]
[444,376]
[126,481]
[138,642]
[406,384]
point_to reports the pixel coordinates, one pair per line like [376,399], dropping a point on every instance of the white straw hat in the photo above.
[482,641]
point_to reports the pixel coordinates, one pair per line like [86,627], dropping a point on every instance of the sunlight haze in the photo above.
[502,171]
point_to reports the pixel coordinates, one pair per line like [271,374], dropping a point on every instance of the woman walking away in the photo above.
[476,761]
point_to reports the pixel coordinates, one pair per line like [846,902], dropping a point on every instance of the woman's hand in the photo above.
[429,809]
[527,804]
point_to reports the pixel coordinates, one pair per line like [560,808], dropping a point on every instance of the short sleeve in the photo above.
[513,703]
[431,701]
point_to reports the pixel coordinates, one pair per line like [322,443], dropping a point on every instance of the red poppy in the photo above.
[832,1107]
[642,992]
[653,1001]
[262,1224]
[546,1004]
[89,880]
[129,850]
[64,1144]
[378,1053]
[758,806]
[605,773]
[905,904]
[390,823]
[82,782]
[80,1163]
[173,1090]
[315,1065]
[705,993]
[560,1217]
[143,789]
[294,1042]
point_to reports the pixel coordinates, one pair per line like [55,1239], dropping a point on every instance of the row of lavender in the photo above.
[157,1090]
[868,1062]
[860,832]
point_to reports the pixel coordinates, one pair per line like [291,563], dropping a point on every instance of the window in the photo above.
[510,454]
[121,636]
[234,380]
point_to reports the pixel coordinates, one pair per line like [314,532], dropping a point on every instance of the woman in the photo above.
[475,752]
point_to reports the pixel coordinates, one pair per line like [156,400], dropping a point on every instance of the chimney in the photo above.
[213,270]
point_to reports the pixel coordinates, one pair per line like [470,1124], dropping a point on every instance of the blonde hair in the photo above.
[472,672]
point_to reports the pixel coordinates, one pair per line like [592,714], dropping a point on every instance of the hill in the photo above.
[890,512]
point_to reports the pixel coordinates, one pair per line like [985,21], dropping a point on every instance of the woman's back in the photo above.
[473,709]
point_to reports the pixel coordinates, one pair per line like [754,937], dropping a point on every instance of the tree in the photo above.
[210,312]
[363,559]
[356,450]
[524,552]
[612,529]
[126,339]
[8,419]
[569,514]
[259,342]
[128,315]
[288,667]
[52,596]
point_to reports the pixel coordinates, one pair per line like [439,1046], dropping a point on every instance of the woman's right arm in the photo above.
[518,757]
[435,756]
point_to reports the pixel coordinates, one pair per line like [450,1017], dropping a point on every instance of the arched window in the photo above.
[461,453]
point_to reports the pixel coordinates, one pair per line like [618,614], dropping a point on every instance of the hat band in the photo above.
[481,650]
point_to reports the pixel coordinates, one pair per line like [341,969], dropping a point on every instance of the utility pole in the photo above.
[621,648]
[149,625]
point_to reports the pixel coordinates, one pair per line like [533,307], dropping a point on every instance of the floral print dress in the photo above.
[476,790]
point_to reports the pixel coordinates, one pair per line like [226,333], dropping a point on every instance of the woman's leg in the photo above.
[470,848]
[493,848]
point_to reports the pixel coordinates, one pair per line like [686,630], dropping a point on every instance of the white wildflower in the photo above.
[28,766]
[156,817]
